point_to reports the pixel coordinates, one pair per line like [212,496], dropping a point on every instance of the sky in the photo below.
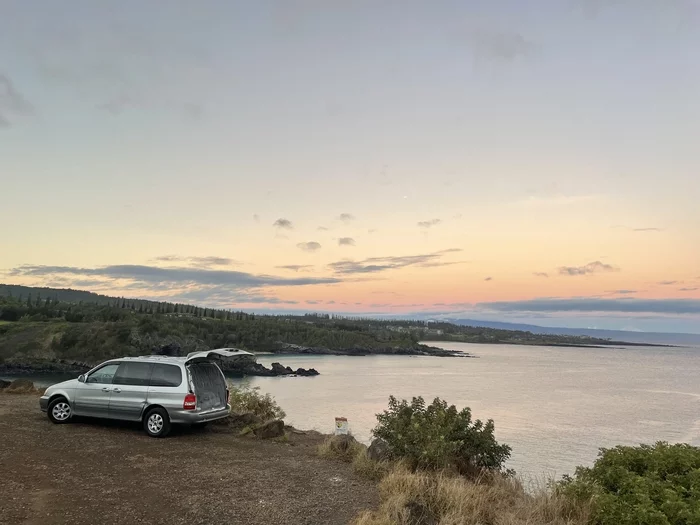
[504,160]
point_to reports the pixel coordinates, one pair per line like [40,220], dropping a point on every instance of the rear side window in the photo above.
[133,373]
[166,375]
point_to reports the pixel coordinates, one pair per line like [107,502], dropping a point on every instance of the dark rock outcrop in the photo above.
[4,384]
[44,366]
[269,430]
[248,367]
[379,450]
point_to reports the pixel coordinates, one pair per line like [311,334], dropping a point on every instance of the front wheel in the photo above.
[156,423]
[59,410]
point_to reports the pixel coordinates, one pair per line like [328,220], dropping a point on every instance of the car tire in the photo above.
[59,411]
[156,423]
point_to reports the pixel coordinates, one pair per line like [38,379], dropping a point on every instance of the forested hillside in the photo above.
[49,325]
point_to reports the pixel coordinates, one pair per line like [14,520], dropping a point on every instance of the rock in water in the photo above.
[4,384]
[379,450]
[271,429]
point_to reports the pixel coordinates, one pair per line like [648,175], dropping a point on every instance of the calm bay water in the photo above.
[554,406]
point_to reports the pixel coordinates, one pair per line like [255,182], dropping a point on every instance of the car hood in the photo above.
[63,385]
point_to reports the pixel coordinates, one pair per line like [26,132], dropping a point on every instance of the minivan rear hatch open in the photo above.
[207,380]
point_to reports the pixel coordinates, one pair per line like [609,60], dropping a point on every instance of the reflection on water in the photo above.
[554,406]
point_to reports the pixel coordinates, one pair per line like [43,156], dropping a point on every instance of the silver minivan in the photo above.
[156,390]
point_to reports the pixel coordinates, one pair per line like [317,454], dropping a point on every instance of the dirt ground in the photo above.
[92,471]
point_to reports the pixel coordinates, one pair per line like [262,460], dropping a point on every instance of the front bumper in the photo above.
[191,417]
[44,403]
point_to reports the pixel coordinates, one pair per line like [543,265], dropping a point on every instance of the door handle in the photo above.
[117,390]
[105,389]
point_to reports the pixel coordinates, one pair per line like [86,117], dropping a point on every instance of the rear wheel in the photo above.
[59,410]
[156,423]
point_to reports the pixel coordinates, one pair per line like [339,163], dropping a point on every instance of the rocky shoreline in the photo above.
[419,350]
[63,367]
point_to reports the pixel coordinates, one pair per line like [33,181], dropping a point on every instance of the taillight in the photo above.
[228,395]
[190,402]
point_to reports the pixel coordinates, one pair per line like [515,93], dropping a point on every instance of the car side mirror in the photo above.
[81,378]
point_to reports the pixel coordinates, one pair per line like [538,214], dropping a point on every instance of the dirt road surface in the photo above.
[92,471]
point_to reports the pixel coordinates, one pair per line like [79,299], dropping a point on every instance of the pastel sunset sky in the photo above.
[520,161]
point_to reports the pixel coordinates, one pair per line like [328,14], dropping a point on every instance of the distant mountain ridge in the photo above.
[624,335]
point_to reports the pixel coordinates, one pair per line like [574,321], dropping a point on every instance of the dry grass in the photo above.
[368,468]
[22,386]
[423,498]
[343,447]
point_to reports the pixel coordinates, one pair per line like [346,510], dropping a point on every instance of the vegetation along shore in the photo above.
[48,330]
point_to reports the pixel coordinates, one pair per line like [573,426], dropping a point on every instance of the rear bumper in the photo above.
[195,416]
[44,403]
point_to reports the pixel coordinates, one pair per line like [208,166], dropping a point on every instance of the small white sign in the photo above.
[341,425]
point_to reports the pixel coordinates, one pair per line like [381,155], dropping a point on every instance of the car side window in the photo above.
[166,375]
[103,375]
[133,373]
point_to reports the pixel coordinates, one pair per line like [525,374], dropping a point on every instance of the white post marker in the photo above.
[341,426]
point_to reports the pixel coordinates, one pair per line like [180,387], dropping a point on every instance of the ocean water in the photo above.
[554,406]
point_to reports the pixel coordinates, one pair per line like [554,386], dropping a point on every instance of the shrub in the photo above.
[244,399]
[439,436]
[423,497]
[654,485]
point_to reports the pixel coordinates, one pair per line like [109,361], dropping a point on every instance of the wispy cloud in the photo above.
[590,268]
[668,283]
[688,289]
[489,279]
[310,246]
[199,261]
[322,229]
[256,217]
[147,275]
[380,264]
[647,229]
[12,103]
[429,224]
[541,274]
[622,292]
[295,267]
[626,305]
[346,241]
[283,224]
[346,217]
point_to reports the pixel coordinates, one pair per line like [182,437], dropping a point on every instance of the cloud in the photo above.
[489,279]
[322,229]
[346,241]
[312,302]
[647,229]
[623,292]
[256,217]
[623,305]
[668,283]
[149,275]
[590,268]
[330,302]
[429,224]
[541,274]
[283,224]
[199,261]
[346,217]
[310,246]
[688,289]
[295,267]
[492,44]
[12,103]
[380,264]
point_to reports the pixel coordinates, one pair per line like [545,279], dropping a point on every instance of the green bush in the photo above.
[244,399]
[644,485]
[439,436]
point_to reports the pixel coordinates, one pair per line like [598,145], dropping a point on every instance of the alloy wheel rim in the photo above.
[61,411]
[155,423]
